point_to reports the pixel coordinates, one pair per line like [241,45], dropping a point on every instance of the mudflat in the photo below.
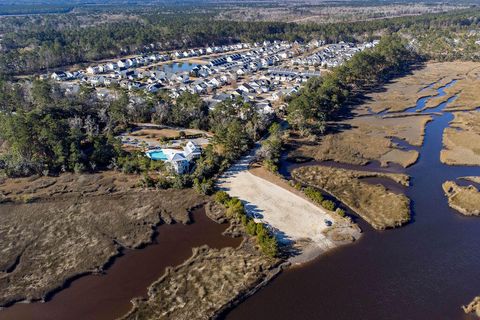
[377,205]
[465,200]
[57,228]
[461,140]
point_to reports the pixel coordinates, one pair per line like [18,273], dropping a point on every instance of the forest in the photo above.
[44,130]
[35,44]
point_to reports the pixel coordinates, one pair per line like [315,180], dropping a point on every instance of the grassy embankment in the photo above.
[465,200]
[380,207]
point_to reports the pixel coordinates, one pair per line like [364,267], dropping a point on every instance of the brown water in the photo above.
[107,296]
[425,270]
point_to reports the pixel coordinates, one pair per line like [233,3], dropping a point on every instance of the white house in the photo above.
[97,80]
[59,76]
[93,70]
[192,151]
[179,163]
[245,87]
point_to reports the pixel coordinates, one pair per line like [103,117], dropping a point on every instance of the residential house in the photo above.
[59,76]
[192,151]
[179,163]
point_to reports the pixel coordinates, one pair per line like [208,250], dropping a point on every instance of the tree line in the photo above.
[322,98]
[47,131]
[53,41]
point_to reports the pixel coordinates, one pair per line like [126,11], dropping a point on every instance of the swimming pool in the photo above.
[157,155]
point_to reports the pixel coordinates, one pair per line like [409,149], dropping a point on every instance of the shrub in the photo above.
[79,168]
[147,181]
[221,197]
[235,208]
[340,212]
[181,181]
[269,246]
[245,220]
[328,204]
[270,165]
[163,183]
[203,187]
[261,231]
[251,227]
[313,194]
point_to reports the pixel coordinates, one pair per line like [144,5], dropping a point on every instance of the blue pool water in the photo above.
[157,155]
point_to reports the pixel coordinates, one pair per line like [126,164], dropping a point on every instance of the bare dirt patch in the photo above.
[380,207]
[297,223]
[465,200]
[54,229]
[461,140]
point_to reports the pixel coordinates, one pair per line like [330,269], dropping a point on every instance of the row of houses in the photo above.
[333,55]
[146,60]
[281,74]
[258,74]
[143,60]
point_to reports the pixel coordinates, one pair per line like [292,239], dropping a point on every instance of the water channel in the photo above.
[107,296]
[424,270]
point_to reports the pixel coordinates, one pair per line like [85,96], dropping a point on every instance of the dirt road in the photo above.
[292,218]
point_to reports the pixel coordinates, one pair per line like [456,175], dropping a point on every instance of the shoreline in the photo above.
[310,249]
[121,251]
[116,269]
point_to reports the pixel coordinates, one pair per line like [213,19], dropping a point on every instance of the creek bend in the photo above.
[108,295]
[424,270]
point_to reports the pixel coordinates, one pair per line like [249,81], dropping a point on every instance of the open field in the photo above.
[465,200]
[295,221]
[404,92]
[204,284]
[364,139]
[74,224]
[380,207]
[461,140]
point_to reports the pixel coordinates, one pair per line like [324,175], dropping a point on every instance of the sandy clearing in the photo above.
[293,218]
